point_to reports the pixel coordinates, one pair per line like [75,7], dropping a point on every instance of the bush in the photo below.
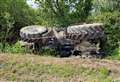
[104,71]
[115,54]
[15,48]
[111,22]
[6,24]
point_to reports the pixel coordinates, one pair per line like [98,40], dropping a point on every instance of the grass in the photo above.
[33,68]
[115,55]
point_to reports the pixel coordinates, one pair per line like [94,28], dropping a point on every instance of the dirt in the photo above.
[112,65]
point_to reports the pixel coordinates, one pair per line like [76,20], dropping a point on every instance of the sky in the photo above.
[32,4]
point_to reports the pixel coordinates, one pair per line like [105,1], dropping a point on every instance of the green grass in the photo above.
[32,73]
[31,68]
[13,48]
[115,55]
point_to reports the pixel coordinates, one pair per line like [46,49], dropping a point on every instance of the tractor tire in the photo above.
[32,32]
[85,31]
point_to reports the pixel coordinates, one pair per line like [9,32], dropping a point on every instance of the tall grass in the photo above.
[14,48]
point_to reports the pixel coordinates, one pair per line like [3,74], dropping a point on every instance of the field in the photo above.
[34,68]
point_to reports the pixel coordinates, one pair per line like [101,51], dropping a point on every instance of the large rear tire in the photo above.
[85,31]
[32,32]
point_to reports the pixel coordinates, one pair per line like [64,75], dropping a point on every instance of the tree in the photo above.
[6,24]
[14,14]
[100,6]
[108,12]
[64,12]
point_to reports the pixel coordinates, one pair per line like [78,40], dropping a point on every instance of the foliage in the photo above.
[14,14]
[14,48]
[108,12]
[112,29]
[64,12]
[115,54]
[104,71]
[6,24]
[100,6]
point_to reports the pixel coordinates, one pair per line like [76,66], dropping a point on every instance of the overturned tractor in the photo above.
[85,40]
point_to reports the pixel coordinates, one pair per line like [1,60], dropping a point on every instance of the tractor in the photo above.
[86,40]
